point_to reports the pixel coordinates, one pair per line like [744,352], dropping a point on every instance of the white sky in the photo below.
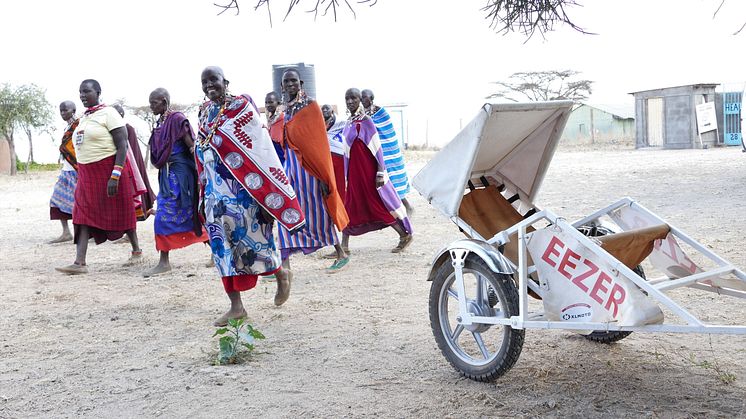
[437,56]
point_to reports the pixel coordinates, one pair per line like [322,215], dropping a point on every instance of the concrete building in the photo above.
[667,118]
[600,124]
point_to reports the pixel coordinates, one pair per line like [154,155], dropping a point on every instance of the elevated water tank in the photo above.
[307,74]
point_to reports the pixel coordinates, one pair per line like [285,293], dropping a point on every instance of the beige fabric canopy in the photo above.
[509,143]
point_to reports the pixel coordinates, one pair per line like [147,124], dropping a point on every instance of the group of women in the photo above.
[227,185]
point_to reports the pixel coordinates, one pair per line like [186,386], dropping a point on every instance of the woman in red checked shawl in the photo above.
[63,196]
[243,190]
[104,196]
[371,199]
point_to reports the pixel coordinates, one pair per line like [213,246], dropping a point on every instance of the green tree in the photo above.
[543,86]
[23,108]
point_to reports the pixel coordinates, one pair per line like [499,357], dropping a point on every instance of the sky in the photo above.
[438,57]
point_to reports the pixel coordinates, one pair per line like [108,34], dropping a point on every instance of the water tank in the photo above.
[307,74]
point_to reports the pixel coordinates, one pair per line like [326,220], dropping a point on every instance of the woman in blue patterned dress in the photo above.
[243,191]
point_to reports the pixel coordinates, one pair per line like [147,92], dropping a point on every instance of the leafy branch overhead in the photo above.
[543,86]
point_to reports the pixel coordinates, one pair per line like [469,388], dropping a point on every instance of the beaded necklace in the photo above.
[205,142]
[93,109]
[163,118]
[372,110]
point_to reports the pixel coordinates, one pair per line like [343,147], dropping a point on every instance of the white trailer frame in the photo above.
[656,289]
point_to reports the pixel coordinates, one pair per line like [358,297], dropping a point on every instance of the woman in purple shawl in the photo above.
[371,200]
[177,224]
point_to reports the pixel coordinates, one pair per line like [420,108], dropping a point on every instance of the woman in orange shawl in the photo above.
[308,164]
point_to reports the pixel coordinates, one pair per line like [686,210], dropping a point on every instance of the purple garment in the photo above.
[368,134]
[165,136]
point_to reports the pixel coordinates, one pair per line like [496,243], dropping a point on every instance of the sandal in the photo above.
[403,243]
[338,265]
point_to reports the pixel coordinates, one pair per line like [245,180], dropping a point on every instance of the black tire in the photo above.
[498,296]
[599,335]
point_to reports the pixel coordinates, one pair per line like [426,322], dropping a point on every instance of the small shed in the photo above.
[600,124]
[667,117]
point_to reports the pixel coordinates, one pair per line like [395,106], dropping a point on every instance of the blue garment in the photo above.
[392,155]
[241,240]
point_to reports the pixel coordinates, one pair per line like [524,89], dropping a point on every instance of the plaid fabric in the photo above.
[63,195]
[108,218]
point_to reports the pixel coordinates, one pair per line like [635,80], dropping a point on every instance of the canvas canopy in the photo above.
[508,143]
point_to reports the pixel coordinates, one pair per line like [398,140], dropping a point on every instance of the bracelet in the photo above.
[116,174]
[379,174]
[118,167]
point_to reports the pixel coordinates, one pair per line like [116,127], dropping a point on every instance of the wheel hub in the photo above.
[476,308]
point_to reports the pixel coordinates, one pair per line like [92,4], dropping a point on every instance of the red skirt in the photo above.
[338,162]
[107,217]
[178,240]
[238,283]
[362,201]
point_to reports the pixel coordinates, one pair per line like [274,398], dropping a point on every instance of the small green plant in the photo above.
[238,334]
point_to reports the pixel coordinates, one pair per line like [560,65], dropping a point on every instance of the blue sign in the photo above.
[732,138]
[732,108]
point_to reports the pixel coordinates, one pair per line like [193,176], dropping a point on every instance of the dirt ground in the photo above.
[357,343]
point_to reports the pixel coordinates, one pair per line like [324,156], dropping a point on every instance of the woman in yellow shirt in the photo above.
[104,206]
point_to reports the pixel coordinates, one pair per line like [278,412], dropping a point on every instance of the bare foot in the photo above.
[403,243]
[210,263]
[61,239]
[230,314]
[73,269]
[135,258]
[284,279]
[157,270]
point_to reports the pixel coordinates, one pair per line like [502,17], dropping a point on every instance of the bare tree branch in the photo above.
[529,16]
[232,5]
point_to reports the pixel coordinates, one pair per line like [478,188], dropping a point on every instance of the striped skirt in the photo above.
[63,196]
[319,230]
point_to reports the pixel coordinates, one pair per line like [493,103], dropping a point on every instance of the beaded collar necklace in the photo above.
[295,105]
[93,109]
[372,110]
[163,118]
[205,142]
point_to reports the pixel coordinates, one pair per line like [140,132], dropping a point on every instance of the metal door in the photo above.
[732,118]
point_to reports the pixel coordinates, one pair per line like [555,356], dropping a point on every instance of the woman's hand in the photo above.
[379,180]
[112,186]
[324,189]
[266,216]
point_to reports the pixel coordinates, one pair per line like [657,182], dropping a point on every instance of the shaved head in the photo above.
[161,94]
[68,104]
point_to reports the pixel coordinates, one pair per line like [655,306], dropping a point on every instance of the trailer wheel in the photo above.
[481,352]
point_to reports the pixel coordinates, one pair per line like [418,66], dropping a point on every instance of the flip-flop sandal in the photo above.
[403,243]
[338,265]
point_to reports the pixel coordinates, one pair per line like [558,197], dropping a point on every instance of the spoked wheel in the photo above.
[599,335]
[482,352]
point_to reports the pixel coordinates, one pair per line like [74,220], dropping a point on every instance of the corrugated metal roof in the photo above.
[620,110]
[673,87]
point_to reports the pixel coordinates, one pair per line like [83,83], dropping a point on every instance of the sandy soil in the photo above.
[358,343]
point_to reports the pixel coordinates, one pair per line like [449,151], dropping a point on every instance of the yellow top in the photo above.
[93,140]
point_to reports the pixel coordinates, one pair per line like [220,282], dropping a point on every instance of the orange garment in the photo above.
[305,133]
[275,129]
